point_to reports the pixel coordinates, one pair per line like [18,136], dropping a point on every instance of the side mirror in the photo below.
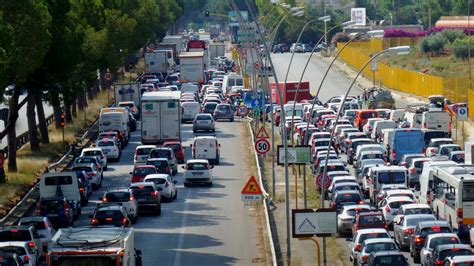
[183,167]
[130,173]
[175,182]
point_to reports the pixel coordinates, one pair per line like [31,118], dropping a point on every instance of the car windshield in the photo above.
[442,241]
[144,151]
[380,247]
[371,220]
[15,235]
[158,181]
[391,178]
[364,237]
[143,171]
[39,225]
[117,196]
[390,260]
[197,166]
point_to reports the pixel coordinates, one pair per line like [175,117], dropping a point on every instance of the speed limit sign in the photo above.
[262,146]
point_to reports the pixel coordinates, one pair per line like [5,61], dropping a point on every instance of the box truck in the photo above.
[192,67]
[288,94]
[93,246]
[215,50]
[157,61]
[127,92]
[161,117]
[174,39]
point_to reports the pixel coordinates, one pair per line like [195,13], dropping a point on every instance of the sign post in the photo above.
[252,194]
[262,146]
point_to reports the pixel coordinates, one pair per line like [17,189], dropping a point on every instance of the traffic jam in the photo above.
[156,106]
[395,177]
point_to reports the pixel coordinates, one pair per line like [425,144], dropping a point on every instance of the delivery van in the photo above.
[206,147]
[62,184]
[437,120]
[115,121]
[406,141]
[230,80]
[189,111]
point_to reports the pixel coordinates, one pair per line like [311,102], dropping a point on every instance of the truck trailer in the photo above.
[192,67]
[288,94]
[161,117]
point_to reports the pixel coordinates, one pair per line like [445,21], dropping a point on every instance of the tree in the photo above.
[31,115]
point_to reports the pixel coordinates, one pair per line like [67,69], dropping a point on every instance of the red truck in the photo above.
[288,94]
[195,44]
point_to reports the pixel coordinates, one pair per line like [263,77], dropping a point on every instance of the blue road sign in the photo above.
[256,103]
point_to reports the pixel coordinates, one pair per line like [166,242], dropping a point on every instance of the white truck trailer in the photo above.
[215,50]
[161,117]
[127,92]
[192,67]
[157,61]
[93,246]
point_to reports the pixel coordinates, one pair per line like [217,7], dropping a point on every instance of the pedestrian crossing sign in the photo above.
[252,187]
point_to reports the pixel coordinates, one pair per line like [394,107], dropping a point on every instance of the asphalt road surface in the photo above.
[204,226]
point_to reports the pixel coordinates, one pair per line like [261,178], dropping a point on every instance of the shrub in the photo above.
[340,37]
[425,46]
[460,48]
[437,42]
[452,35]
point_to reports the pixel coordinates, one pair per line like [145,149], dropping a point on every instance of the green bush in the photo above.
[437,42]
[452,35]
[460,48]
[425,46]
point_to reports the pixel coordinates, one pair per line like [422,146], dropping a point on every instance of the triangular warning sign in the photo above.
[262,134]
[252,187]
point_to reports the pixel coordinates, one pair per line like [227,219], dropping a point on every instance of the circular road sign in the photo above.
[108,76]
[262,146]
[319,181]
[242,111]
[256,65]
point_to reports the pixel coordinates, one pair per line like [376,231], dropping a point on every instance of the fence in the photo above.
[455,88]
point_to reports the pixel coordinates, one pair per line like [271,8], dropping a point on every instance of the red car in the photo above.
[141,171]
[177,148]
[368,220]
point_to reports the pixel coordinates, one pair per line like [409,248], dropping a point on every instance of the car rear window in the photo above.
[92,153]
[39,225]
[364,237]
[380,247]
[223,108]
[15,235]
[418,211]
[434,230]
[144,171]
[160,154]
[142,191]
[390,260]
[397,204]
[20,251]
[348,197]
[144,151]
[391,178]
[58,180]
[453,252]
[366,115]
[105,143]
[371,219]
[158,181]
[204,117]
[109,214]
[442,241]
[117,196]
[197,166]
[160,163]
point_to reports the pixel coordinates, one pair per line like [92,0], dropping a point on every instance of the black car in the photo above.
[58,211]
[441,252]
[111,215]
[345,197]
[387,258]
[148,197]
[422,230]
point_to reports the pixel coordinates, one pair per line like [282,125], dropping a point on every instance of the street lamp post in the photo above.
[396,50]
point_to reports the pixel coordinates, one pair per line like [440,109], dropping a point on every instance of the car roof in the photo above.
[143,166]
[463,258]
[120,189]
[417,216]
[356,206]
[110,207]
[386,252]
[145,146]
[157,159]
[441,139]
[378,240]
[371,230]
[415,206]
[33,219]
[402,198]
[22,244]
[92,149]
[197,161]
[431,236]
[161,176]
[402,190]
[370,213]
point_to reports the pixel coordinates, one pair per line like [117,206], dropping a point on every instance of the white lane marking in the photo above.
[182,231]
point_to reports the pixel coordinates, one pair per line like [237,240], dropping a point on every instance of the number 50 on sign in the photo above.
[262,146]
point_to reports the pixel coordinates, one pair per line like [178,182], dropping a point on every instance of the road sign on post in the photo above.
[262,146]
[296,155]
[262,134]
[256,103]
[242,111]
[251,194]
[462,113]
[311,222]
[320,181]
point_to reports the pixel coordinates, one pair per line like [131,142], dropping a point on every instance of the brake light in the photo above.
[404,164]
[365,258]
[94,221]
[81,189]
[104,199]
[424,125]
[92,174]
[154,193]
[348,141]
[380,197]
[408,231]
[333,205]
[455,249]
[124,221]
[438,262]
[361,202]
[394,154]
[26,259]
[424,151]
[460,213]
[419,240]
[131,198]
[387,209]
[358,248]
[436,228]
[31,244]
[412,170]
[108,219]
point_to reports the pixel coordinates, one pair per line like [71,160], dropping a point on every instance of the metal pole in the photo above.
[318,248]
[304,187]
[284,140]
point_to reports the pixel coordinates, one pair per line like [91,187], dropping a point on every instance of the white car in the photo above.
[142,152]
[374,245]
[391,205]
[96,152]
[197,171]
[21,248]
[360,236]
[110,148]
[434,240]
[42,225]
[165,184]
[124,197]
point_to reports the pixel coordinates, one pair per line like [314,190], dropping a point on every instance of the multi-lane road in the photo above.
[205,225]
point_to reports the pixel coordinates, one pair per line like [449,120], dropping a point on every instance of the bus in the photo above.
[449,189]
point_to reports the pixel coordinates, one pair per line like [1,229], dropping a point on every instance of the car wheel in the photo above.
[105,168]
[209,184]
[416,258]
[232,119]
[158,211]
[176,194]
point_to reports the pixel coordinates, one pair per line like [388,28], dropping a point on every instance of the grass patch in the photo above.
[31,164]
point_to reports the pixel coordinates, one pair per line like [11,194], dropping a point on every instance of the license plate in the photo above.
[141,200]
[202,156]
[53,215]
[197,173]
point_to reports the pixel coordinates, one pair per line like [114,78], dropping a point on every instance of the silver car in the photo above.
[403,229]
[165,184]
[360,236]
[374,245]
[434,240]
[204,122]
[224,111]
[345,219]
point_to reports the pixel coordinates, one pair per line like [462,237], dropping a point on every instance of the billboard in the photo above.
[359,16]
[234,20]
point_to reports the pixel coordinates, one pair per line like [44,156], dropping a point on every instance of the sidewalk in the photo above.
[304,252]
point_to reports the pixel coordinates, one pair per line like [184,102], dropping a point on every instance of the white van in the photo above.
[206,147]
[414,119]
[189,88]
[115,119]
[190,110]
[230,80]
[437,120]
[379,125]
[387,136]
[61,184]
